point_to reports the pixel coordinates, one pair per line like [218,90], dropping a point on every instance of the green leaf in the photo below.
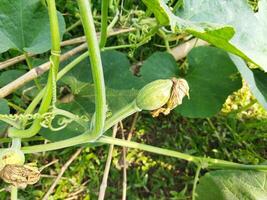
[4,109]
[249,40]
[9,76]
[24,25]
[232,185]
[121,89]
[255,78]
[121,85]
[213,21]
[73,129]
[212,77]
[160,65]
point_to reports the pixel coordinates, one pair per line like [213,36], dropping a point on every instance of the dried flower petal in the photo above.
[20,175]
[180,89]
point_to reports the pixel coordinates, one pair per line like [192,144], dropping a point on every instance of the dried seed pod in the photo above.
[20,175]
[180,89]
[154,95]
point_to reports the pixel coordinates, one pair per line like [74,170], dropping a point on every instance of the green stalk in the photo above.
[87,136]
[16,107]
[28,61]
[128,110]
[104,23]
[71,65]
[195,182]
[50,87]
[36,138]
[14,193]
[205,162]
[73,26]
[9,121]
[61,73]
[96,66]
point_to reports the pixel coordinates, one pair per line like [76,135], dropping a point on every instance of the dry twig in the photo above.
[63,169]
[178,52]
[124,166]
[73,41]
[104,183]
[38,71]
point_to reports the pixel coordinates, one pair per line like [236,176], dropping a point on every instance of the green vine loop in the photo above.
[96,67]
[65,119]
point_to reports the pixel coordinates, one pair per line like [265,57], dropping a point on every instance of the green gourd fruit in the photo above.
[154,95]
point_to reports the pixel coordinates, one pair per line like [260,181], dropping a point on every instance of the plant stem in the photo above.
[65,70]
[119,47]
[71,65]
[28,61]
[16,107]
[128,110]
[165,38]
[50,87]
[9,121]
[61,73]
[36,138]
[87,136]
[195,182]
[73,26]
[96,66]
[206,162]
[14,193]
[104,23]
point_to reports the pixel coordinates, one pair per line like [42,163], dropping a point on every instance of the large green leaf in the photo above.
[24,25]
[9,76]
[202,19]
[255,78]
[250,27]
[160,65]
[121,85]
[212,77]
[121,89]
[232,185]
[4,109]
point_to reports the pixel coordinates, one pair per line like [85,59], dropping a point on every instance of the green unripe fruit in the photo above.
[11,157]
[154,95]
